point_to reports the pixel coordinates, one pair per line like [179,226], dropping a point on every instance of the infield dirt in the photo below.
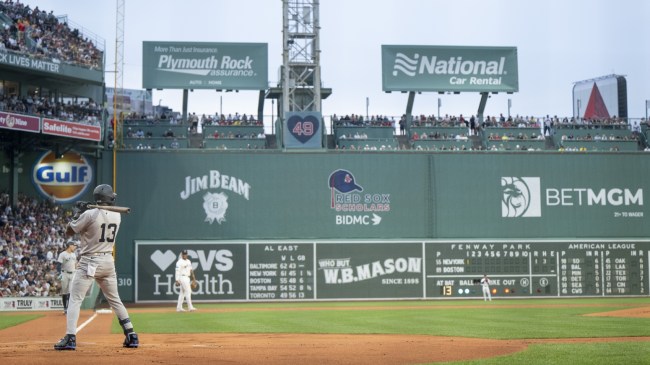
[31,343]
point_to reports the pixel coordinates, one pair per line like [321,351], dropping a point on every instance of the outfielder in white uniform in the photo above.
[97,229]
[66,265]
[183,274]
[485,283]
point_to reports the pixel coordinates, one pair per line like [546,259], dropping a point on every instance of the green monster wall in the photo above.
[229,204]
[193,195]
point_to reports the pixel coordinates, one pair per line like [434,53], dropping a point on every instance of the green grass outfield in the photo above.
[499,319]
[12,319]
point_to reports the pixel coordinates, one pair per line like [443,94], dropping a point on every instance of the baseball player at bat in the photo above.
[97,229]
[66,264]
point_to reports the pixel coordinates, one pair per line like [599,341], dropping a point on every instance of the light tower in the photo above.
[118,91]
[301,82]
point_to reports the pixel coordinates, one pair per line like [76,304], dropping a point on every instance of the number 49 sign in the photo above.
[303,130]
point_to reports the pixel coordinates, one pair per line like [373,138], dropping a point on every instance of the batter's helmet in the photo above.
[104,194]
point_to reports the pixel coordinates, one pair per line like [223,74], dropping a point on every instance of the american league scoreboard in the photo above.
[394,269]
[542,268]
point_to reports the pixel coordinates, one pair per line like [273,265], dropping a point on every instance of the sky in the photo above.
[559,42]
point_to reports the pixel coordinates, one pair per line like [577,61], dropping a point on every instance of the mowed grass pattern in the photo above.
[512,319]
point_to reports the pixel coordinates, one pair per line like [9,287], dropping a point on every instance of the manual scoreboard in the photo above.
[394,269]
[558,268]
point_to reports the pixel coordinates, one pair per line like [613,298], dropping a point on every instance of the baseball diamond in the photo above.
[132,232]
[275,344]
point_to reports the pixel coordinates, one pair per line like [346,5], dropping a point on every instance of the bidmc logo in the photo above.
[62,179]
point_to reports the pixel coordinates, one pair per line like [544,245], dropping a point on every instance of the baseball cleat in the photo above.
[180,310]
[192,309]
[131,340]
[68,342]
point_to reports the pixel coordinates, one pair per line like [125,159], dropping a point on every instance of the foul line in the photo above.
[87,322]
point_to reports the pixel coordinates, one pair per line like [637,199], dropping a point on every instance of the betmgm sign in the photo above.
[449,68]
[204,65]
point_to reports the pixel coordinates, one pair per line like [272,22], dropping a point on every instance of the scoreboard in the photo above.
[394,269]
[558,268]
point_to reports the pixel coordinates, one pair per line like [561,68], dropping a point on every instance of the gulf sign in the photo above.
[63,179]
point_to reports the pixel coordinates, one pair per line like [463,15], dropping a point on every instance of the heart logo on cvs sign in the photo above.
[303,128]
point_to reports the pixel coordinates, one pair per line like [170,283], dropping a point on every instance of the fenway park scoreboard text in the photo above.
[333,270]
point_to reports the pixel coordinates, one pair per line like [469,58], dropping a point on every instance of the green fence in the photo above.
[205,195]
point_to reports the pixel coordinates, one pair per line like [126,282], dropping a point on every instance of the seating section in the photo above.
[596,138]
[368,144]
[514,139]
[442,145]
[148,134]
[517,145]
[602,145]
[235,143]
[365,137]
[440,138]
[140,134]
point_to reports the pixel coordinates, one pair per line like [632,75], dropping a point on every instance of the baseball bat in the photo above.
[111,208]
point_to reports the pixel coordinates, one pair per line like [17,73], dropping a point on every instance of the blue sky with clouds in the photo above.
[559,42]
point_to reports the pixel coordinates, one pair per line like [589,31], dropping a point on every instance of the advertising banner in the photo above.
[219,268]
[204,65]
[370,270]
[600,98]
[522,196]
[51,66]
[63,178]
[72,130]
[449,68]
[130,101]
[30,304]
[20,122]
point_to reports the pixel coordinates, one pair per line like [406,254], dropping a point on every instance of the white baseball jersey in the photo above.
[183,268]
[98,229]
[68,261]
[485,282]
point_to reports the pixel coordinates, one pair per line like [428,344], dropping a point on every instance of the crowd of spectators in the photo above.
[40,34]
[356,120]
[520,122]
[194,120]
[230,120]
[86,111]
[230,135]
[32,234]
[368,147]
[511,136]
[597,137]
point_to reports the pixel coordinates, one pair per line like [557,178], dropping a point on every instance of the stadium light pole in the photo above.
[647,106]
[579,102]
[367,105]
[509,106]
[439,105]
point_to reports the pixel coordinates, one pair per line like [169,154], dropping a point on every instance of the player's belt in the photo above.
[69,272]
